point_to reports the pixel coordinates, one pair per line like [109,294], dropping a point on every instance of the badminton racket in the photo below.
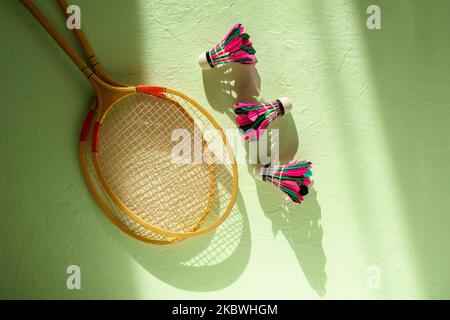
[121,220]
[132,154]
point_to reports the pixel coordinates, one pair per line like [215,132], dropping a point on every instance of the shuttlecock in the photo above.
[235,47]
[254,118]
[292,178]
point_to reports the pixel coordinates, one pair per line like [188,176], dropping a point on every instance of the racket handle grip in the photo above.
[39,16]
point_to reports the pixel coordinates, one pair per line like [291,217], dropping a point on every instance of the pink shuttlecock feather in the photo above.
[235,47]
[254,118]
[292,178]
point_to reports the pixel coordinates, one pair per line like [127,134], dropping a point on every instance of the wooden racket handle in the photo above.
[89,52]
[58,38]
[79,34]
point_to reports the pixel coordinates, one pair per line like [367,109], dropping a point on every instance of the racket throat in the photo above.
[108,95]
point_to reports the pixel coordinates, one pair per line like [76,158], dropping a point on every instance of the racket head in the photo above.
[133,157]
[111,211]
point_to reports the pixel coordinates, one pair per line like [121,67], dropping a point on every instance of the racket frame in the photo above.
[107,97]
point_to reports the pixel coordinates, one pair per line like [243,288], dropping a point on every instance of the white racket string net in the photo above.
[137,161]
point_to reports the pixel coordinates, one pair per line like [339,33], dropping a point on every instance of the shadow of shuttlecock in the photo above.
[229,84]
[299,224]
[226,86]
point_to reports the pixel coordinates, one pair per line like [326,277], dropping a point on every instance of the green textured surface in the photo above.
[371,110]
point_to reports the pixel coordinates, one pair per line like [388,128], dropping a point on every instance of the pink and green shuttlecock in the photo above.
[235,47]
[292,178]
[254,118]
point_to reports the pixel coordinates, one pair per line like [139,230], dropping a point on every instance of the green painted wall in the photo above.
[371,111]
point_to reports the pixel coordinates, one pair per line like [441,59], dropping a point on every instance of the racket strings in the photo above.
[123,220]
[135,158]
[223,170]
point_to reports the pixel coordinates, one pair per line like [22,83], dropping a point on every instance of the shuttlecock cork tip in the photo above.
[287,104]
[203,61]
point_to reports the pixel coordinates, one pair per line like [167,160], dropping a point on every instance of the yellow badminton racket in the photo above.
[121,220]
[132,146]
